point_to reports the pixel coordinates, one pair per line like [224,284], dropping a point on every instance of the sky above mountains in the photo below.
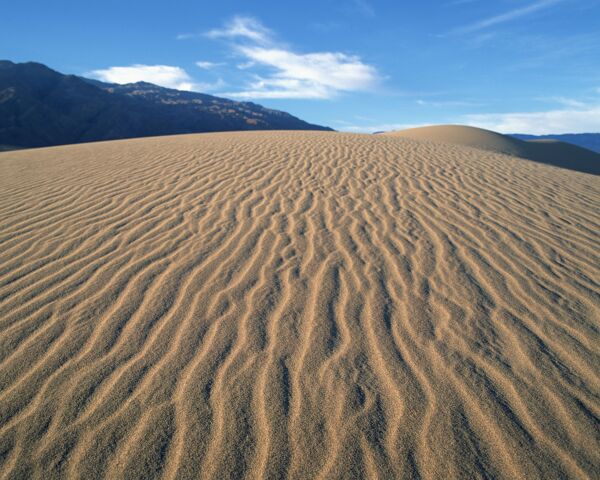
[356,65]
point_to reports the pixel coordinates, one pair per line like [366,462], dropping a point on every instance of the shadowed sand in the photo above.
[551,152]
[296,305]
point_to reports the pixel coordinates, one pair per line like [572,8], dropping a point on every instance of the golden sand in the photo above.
[297,305]
[550,152]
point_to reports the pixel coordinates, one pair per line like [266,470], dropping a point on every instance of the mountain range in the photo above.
[591,141]
[41,107]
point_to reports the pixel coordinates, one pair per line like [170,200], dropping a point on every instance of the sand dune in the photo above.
[551,152]
[298,305]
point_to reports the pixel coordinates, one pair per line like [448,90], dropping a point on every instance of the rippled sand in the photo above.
[297,305]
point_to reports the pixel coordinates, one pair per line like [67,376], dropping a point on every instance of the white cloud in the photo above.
[208,65]
[507,16]
[163,75]
[570,120]
[274,70]
[311,75]
[318,75]
[244,27]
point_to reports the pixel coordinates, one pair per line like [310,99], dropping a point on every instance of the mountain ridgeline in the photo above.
[40,107]
[591,141]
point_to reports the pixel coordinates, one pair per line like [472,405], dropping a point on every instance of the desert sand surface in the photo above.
[551,152]
[297,305]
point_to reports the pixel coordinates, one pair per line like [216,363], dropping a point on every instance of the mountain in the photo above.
[550,152]
[591,141]
[41,107]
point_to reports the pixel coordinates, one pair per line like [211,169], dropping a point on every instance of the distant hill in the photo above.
[41,107]
[550,152]
[591,141]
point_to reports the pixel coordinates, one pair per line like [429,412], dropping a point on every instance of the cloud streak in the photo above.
[247,28]
[208,65]
[507,16]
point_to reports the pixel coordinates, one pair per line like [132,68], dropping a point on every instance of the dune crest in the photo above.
[299,305]
[551,152]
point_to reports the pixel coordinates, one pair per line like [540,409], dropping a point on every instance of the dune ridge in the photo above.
[298,305]
[547,151]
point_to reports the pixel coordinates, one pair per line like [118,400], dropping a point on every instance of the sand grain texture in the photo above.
[296,305]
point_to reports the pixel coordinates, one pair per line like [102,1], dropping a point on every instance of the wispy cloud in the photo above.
[567,102]
[208,65]
[163,75]
[319,75]
[565,120]
[507,16]
[311,75]
[248,28]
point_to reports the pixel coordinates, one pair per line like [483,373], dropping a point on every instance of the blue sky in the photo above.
[529,66]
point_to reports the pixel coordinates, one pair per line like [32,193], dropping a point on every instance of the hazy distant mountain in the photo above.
[591,141]
[41,107]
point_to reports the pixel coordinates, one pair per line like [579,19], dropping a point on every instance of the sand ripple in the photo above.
[298,305]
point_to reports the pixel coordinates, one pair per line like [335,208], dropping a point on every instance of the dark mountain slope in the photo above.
[591,141]
[41,107]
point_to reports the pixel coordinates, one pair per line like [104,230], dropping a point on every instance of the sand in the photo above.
[547,151]
[297,305]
